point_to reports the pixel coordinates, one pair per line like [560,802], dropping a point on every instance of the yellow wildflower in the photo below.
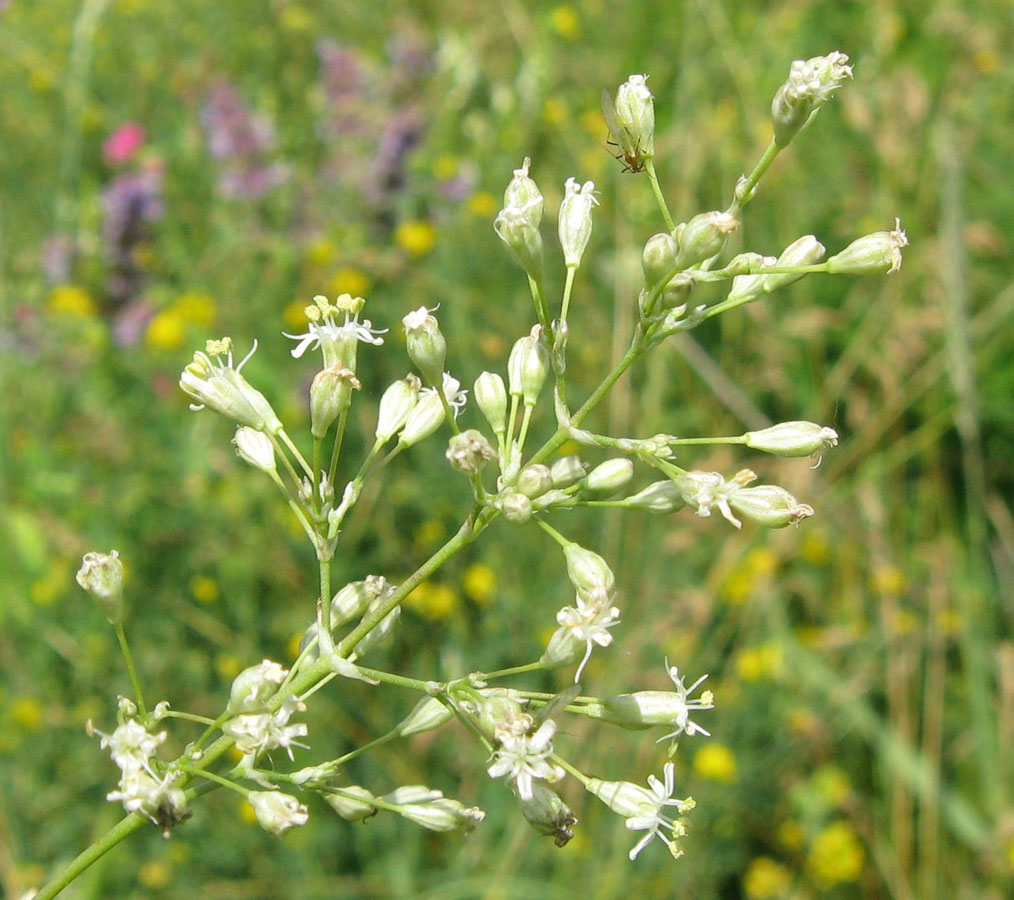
[565,22]
[71,300]
[350,281]
[294,315]
[429,532]
[321,252]
[445,167]
[888,579]
[479,582]
[791,835]
[716,762]
[204,589]
[766,879]
[26,712]
[166,331]
[836,856]
[415,237]
[196,308]
[756,663]
[154,874]
[554,111]
[227,665]
[433,600]
[482,204]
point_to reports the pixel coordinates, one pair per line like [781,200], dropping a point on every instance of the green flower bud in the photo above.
[575,223]
[704,236]
[792,439]
[101,574]
[469,451]
[426,346]
[610,476]
[255,448]
[749,287]
[546,812]
[277,812]
[567,470]
[352,600]
[425,418]
[516,508]
[330,395]
[254,686]
[564,649]
[523,195]
[429,713]
[491,397]
[635,116]
[354,803]
[658,258]
[659,497]
[396,404]
[528,366]
[874,254]
[804,251]
[769,505]
[809,86]
[522,238]
[588,571]
[533,481]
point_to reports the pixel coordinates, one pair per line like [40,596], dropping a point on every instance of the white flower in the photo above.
[704,490]
[523,758]
[589,623]
[643,808]
[257,733]
[336,341]
[417,318]
[277,812]
[682,706]
[456,398]
[131,745]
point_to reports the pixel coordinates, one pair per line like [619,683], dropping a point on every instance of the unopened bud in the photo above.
[658,258]
[354,803]
[748,287]
[255,448]
[659,497]
[522,238]
[516,508]
[101,574]
[546,812]
[469,451]
[804,251]
[792,439]
[382,630]
[875,254]
[567,470]
[609,477]
[564,649]
[575,224]
[491,397]
[533,481]
[809,86]
[528,366]
[254,686]
[769,505]
[704,236]
[523,195]
[330,395]
[500,710]
[588,571]
[277,812]
[425,418]
[350,602]
[396,403]
[425,344]
[429,713]
[635,116]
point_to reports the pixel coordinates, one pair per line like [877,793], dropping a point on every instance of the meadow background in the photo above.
[862,663]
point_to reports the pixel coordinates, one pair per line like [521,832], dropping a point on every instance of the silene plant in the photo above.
[513,730]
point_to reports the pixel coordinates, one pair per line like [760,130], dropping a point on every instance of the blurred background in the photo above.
[174,172]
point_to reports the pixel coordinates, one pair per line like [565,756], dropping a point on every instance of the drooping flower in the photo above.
[523,758]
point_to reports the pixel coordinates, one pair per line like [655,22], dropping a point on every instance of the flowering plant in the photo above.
[513,729]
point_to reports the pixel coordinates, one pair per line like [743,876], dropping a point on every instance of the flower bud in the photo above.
[769,505]
[635,116]
[588,571]
[351,601]
[528,366]
[348,806]
[748,287]
[533,481]
[499,710]
[522,238]
[396,403]
[425,418]
[218,385]
[546,812]
[575,223]
[704,236]
[101,574]
[429,713]
[432,810]
[804,251]
[792,439]
[491,396]
[330,395]
[255,448]
[658,258]
[277,812]
[567,470]
[564,649]
[516,508]
[610,476]
[809,86]
[381,632]
[677,292]
[524,196]
[426,346]
[875,254]
[659,497]
[469,451]
[254,686]
[552,498]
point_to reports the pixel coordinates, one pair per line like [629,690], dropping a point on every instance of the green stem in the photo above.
[128,660]
[552,532]
[579,775]
[336,450]
[656,189]
[687,442]
[541,310]
[324,626]
[317,443]
[294,450]
[568,286]
[513,670]
[746,191]
[526,420]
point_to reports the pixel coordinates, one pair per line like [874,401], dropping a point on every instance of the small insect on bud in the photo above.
[533,481]
[875,254]
[546,812]
[704,236]
[631,121]
[567,470]
[330,395]
[658,259]
[101,574]
[810,85]
[516,508]
[395,405]
[659,497]
[426,346]
[609,477]
[804,251]
[523,195]
[277,812]
[528,366]
[255,448]
[792,439]
[575,223]
[769,505]
[469,451]
[491,397]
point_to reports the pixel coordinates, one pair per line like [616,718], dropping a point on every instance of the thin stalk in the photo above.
[336,450]
[317,445]
[513,670]
[539,296]
[746,191]
[324,610]
[294,450]
[656,189]
[567,288]
[526,420]
[128,660]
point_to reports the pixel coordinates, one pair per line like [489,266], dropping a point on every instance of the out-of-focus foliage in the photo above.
[862,664]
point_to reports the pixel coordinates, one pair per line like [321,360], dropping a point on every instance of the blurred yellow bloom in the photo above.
[71,300]
[592,122]
[888,579]
[832,784]
[433,600]
[294,315]
[445,167]
[196,308]
[246,813]
[554,111]
[482,204]
[592,161]
[321,252]
[416,238]
[791,835]
[948,622]
[766,879]
[716,762]
[568,448]
[292,647]
[350,281]
[295,18]
[26,713]
[756,663]
[479,582]
[429,532]
[565,22]
[760,561]
[836,856]
[166,331]
[53,584]
[227,665]
[814,548]
[738,587]
[204,589]
[154,874]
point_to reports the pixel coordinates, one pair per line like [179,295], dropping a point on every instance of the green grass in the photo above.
[861,663]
